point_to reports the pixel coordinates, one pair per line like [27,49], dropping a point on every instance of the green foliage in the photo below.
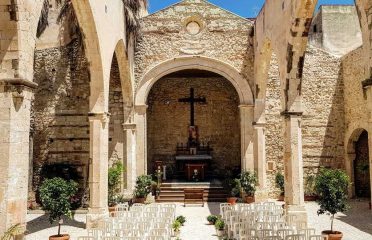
[310,185]
[143,186]
[13,231]
[233,186]
[176,225]
[181,219]
[248,181]
[279,181]
[331,186]
[55,195]
[212,219]
[114,180]
[220,224]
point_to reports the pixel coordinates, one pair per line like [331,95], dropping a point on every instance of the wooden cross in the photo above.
[192,100]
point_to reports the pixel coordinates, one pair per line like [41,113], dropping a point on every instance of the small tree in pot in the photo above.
[114,180]
[55,195]
[143,188]
[331,187]
[248,181]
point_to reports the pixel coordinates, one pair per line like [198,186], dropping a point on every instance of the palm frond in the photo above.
[132,11]
[13,231]
[43,20]
[68,17]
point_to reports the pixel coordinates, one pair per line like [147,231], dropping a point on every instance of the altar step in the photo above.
[174,192]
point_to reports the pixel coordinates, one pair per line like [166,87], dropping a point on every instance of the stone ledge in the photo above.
[288,113]
[19,82]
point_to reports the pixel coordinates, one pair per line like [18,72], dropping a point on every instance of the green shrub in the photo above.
[220,224]
[309,185]
[55,195]
[143,186]
[181,219]
[248,181]
[331,187]
[279,181]
[212,219]
[114,180]
[176,226]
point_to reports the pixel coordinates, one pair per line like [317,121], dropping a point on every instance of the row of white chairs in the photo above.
[145,222]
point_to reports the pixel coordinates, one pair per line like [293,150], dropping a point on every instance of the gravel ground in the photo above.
[356,224]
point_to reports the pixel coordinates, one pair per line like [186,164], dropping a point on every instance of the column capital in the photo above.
[129,126]
[141,109]
[17,84]
[103,117]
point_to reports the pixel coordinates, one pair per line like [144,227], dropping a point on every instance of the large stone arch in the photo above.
[200,63]
[194,62]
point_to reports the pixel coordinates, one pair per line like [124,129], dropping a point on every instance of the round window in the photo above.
[193,28]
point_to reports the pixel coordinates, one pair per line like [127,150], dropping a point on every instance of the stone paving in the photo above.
[356,224]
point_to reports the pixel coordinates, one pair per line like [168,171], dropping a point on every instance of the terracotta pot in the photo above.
[139,200]
[333,235]
[310,198]
[249,199]
[220,233]
[232,200]
[62,237]
[112,209]
[281,198]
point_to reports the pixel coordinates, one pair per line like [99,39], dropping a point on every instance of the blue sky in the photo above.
[245,8]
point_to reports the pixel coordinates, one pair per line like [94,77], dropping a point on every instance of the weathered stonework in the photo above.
[223,36]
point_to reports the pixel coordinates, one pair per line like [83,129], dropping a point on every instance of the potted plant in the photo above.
[309,186]
[55,196]
[142,188]
[114,180]
[181,219]
[234,191]
[331,187]
[220,227]
[248,182]
[212,219]
[279,181]
[14,232]
[176,226]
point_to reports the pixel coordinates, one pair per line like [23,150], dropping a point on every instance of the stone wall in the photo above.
[323,118]
[217,120]
[223,36]
[60,127]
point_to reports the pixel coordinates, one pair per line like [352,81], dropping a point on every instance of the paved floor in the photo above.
[356,224]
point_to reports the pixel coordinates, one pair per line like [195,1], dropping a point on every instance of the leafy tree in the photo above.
[114,180]
[331,186]
[279,181]
[143,186]
[56,194]
[248,181]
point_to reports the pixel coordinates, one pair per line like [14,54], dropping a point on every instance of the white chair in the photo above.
[264,233]
[284,232]
[87,238]
[318,237]
[156,238]
[295,237]
[111,238]
[272,238]
[307,232]
[249,238]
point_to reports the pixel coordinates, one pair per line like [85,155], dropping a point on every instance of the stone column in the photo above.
[293,165]
[260,160]
[140,119]
[15,107]
[246,129]
[98,168]
[130,163]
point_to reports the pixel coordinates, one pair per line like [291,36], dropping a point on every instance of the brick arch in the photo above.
[202,63]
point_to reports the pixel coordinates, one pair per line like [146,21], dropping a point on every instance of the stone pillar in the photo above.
[130,163]
[15,107]
[367,85]
[260,160]
[293,166]
[349,167]
[98,168]
[246,129]
[140,119]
